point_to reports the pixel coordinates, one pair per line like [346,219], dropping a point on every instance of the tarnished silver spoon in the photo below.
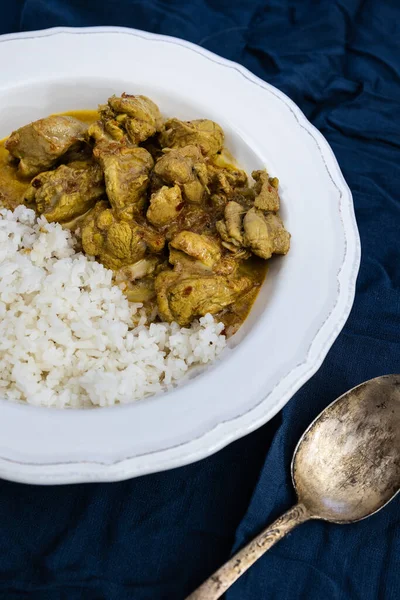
[345,468]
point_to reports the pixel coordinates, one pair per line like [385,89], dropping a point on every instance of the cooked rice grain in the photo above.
[68,337]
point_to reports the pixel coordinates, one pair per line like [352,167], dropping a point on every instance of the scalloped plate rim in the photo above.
[230,430]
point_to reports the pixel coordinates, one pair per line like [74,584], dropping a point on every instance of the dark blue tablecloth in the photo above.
[157,537]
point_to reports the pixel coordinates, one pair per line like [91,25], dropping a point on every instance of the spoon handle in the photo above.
[221,580]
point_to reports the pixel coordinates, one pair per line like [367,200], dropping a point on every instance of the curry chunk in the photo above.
[177,166]
[165,206]
[137,116]
[233,218]
[205,134]
[265,234]
[231,228]
[183,262]
[261,232]
[225,177]
[67,192]
[201,247]
[280,236]
[183,297]
[194,297]
[117,240]
[126,173]
[266,189]
[39,145]
[185,167]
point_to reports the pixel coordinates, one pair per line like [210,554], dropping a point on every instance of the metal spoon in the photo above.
[345,468]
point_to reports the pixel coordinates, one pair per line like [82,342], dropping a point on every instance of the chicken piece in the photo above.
[257,234]
[163,282]
[226,182]
[126,173]
[103,142]
[266,189]
[39,145]
[176,166]
[183,297]
[137,107]
[265,234]
[225,179]
[137,116]
[224,188]
[231,228]
[186,167]
[194,191]
[113,128]
[201,247]
[182,262]
[280,236]
[227,265]
[227,241]
[117,240]
[234,221]
[237,251]
[205,134]
[67,192]
[165,206]
[262,232]
[194,297]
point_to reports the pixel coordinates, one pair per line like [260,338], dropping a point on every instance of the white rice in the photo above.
[68,337]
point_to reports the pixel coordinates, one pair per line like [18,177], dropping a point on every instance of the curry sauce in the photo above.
[12,187]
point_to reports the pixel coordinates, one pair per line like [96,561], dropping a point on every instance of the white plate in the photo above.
[301,308]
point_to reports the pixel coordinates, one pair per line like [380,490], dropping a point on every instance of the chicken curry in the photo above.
[159,201]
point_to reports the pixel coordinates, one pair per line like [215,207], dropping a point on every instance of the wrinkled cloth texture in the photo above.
[157,537]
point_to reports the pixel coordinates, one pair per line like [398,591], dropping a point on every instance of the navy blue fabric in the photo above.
[157,537]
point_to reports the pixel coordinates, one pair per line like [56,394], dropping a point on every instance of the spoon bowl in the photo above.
[346,467]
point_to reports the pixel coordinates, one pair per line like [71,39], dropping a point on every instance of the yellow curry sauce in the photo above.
[13,188]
